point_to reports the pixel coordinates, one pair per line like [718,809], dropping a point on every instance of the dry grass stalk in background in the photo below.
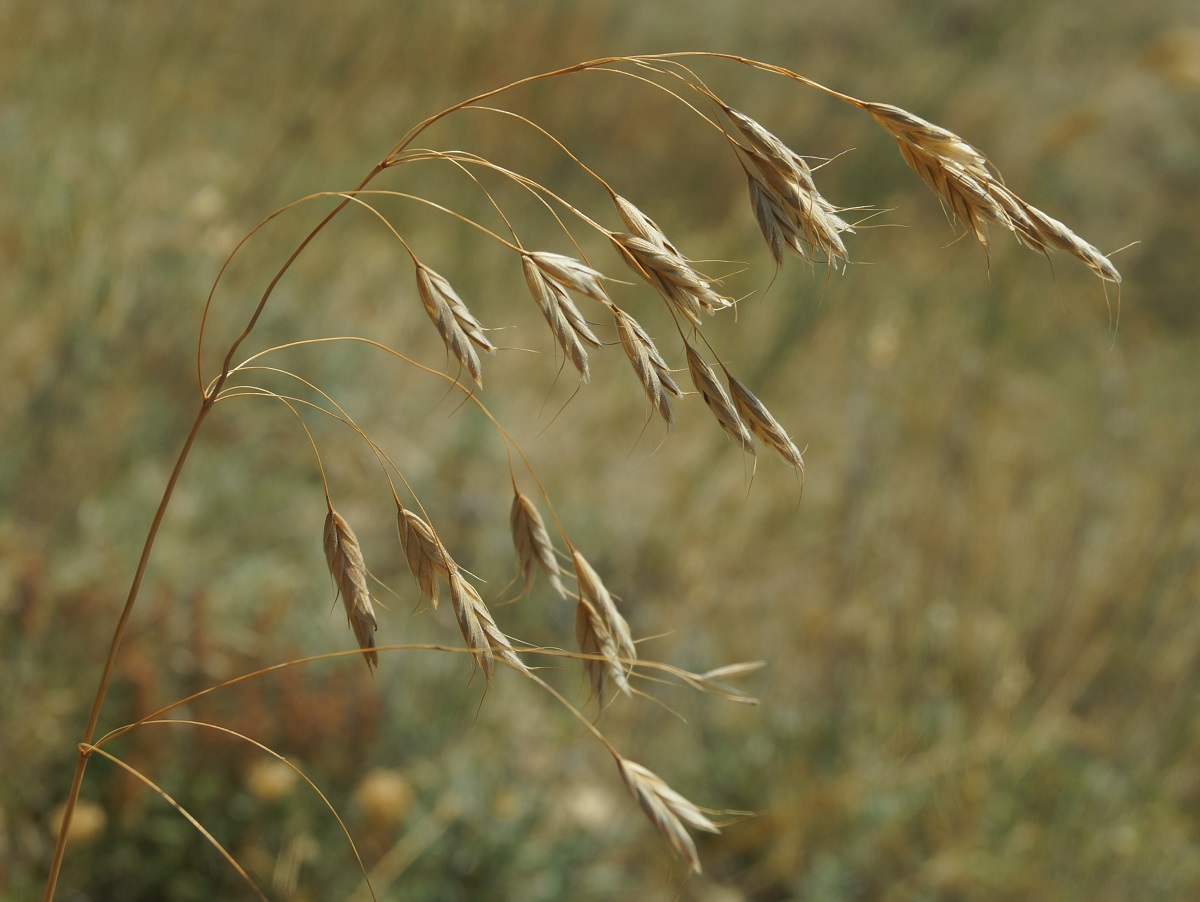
[349,572]
[532,542]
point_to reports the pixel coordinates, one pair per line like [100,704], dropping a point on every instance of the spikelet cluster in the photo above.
[669,811]
[791,213]
[601,631]
[532,542]
[349,571]
[460,331]
[964,181]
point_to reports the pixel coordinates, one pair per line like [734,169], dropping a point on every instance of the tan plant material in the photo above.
[566,322]
[668,273]
[601,630]
[642,225]
[718,400]
[760,421]
[648,363]
[349,572]
[602,660]
[483,637]
[965,182]
[790,211]
[455,323]
[649,253]
[713,682]
[1042,232]
[670,812]
[427,556]
[571,273]
[532,542]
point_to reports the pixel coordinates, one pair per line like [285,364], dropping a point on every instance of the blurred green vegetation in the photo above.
[980,618]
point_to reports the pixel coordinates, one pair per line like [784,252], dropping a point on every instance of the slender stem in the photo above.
[208,399]
[227,366]
[85,748]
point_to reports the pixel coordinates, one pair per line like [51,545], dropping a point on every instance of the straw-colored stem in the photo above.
[85,746]
[206,405]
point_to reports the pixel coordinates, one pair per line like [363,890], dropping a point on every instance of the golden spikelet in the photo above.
[349,572]
[760,422]
[643,226]
[600,628]
[1041,232]
[685,290]
[718,400]
[965,182]
[648,363]
[602,661]
[790,211]
[483,637]
[458,328]
[427,556]
[668,810]
[566,322]
[570,273]
[532,543]
[649,253]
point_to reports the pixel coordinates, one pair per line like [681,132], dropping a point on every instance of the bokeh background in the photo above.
[980,619]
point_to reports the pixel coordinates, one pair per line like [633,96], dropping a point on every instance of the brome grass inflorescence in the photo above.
[793,216]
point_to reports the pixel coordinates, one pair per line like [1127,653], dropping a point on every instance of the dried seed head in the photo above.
[602,661]
[963,179]
[718,400]
[928,139]
[427,556]
[454,322]
[483,637]
[755,414]
[643,226]
[533,544]
[1040,232]
[566,322]
[349,572]
[790,211]
[668,273]
[601,629]
[648,363]
[807,224]
[571,273]
[667,810]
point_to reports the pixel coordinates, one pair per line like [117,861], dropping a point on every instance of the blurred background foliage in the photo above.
[980,618]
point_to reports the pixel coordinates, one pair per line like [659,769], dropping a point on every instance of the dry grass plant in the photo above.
[793,217]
